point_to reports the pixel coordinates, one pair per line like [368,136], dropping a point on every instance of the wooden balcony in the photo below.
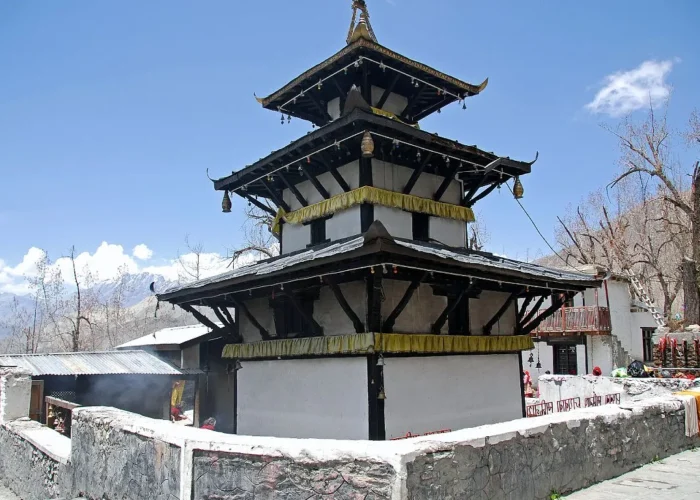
[589,320]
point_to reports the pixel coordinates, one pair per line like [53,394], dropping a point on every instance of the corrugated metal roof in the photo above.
[477,259]
[91,363]
[494,261]
[168,337]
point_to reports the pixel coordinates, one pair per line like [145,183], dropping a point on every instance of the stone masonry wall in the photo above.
[112,462]
[31,472]
[582,448]
[228,476]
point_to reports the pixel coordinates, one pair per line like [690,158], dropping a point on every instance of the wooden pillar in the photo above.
[375,383]
[374,301]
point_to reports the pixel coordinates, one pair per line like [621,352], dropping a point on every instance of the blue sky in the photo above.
[111,112]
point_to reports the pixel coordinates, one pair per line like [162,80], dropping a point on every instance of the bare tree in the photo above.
[260,242]
[24,328]
[83,304]
[477,235]
[647,150]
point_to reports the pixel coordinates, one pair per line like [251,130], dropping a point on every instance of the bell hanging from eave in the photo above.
[226,203]
[518,189]
[367,145]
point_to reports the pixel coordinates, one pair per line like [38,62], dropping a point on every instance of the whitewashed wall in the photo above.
[448,231]
[398,223]
[392,177]
[319,398]
[483,309]
[329,314]
[394,104]
[261,311]
[422,310]
[426,394]
[599,354]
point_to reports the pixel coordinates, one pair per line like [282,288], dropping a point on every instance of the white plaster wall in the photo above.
[426,394]
[448,231]
[304,398]
[484,308]
[395,103]
[15,394]
[333,107]
[261,311]
[546,354]
[392,177]
[420,313]
[639,320]
[189,357]
[295,237]
[600,355]
[344,224]
[581,359]
[329,314]
[398,223]
[557,387]
[350,172]
[620,315]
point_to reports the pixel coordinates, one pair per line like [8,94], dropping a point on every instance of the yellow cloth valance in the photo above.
[392,116]
[389,343]
[375,196]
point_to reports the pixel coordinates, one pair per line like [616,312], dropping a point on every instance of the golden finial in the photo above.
[363,29]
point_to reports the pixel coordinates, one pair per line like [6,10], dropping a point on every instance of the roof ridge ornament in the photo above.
[363,29]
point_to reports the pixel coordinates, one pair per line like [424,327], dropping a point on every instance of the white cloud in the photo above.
[627,91]
[142,252]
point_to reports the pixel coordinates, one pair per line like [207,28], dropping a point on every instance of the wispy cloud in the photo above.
[626,91]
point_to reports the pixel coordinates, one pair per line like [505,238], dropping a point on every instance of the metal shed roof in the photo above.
[168,337]
[91,363]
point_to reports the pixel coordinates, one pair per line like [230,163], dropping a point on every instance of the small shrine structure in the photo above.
[375,321]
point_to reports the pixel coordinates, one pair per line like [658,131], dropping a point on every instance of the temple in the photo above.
[376,321]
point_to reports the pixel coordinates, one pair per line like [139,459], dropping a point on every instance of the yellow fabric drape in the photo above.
[176,395]
[375,196]
[392,116]
[390,343]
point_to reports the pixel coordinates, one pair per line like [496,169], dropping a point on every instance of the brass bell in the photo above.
[382,395]
[226,203]
[518,189]
[367,145]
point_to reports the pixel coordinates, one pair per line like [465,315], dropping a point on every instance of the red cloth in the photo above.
[208,427]
[597,371]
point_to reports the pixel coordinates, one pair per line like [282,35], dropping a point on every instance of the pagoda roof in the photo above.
[377,247]
[427,89]
[386,130]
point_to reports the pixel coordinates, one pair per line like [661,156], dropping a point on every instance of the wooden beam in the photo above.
[487,170]
[506,305]
[472,201]
[446,182]
[374,302]
[258,204]
[359,326]
[334,172]
[324,111]
[321,190]
[200,317]
[277,199]
[452,303]
[294,190]
[557,303]
[317,329]
[240,306]
[533,311]
[220,316]
[343,94]
[523,307]
[391,319]
[416,174]
[412,101]
[387,91]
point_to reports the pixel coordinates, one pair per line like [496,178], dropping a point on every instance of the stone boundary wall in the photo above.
[555,388]
[34,460]
[118,455]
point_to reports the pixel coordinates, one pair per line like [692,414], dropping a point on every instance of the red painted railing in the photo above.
[585,319]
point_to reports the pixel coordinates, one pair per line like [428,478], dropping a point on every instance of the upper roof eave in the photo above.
[259,167]
[363,43]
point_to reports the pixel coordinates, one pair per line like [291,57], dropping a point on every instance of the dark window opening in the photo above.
[289,322]
[318,232]
[648,344]
[565,359]
[458,320]
[421,227]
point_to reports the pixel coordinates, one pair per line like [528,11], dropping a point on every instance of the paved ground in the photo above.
[6,494]
[673,478]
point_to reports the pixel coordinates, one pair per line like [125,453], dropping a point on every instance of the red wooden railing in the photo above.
[584,319]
